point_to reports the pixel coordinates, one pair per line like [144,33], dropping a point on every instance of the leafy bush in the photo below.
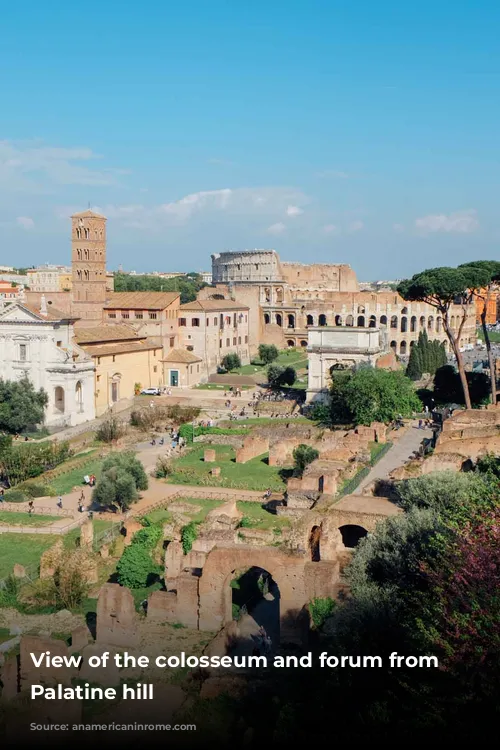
[29,460]
[110,430]
[149,536]
[135,566]
[15,496]
[231,361]
[448,386]
[163,467]
[246,523]
[303,455]
[36,489]
[320,610]
[268,353]
[189,534]
[278,377]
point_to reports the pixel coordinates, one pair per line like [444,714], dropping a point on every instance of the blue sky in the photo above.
[357,132]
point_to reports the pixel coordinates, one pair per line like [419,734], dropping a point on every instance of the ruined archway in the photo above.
[322,320]
[310,320]
[314,543]
[352,535]
[215,594]
[361,321]
[255,596]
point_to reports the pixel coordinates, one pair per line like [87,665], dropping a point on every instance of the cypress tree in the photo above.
[414,369]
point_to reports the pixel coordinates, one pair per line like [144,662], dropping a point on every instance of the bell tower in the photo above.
[88,264]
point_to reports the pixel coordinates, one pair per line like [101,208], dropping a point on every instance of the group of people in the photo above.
[263,643]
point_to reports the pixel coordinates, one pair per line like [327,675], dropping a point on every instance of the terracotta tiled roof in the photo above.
[211,305]
[140,300]
[182,356]
[106,334]
[88,215]
[52,313]
[125,347]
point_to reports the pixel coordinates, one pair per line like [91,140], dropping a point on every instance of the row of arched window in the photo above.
[83,233]
[84,254]
[403,324]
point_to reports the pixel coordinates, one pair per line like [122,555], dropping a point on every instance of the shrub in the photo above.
[245,523]
[35,489]
[278,376]
[149,536]
[110,430]
[15,496]
[268,353]
[135,566]
[189,534]
[163,467]
[303,455]
[29,460]
[320,610]
[231,361]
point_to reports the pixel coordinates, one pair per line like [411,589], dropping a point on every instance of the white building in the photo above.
[38,344]
[340,348]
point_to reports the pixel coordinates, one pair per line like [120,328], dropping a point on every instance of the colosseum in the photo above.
[286,300]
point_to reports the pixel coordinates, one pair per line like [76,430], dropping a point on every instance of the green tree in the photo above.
[303,455]
[455,496]
[414,369]
[448,387]
[122,475]
[268,353]
[441,288]
[373,395]
[21,406]
[231,362]
[135,566]
[278,376]
[187,286]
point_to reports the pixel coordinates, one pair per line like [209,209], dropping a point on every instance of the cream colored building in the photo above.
[123,360]
[49,278]
[152,314]
[208,330]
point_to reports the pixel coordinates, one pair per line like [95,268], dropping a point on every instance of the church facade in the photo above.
[38,344]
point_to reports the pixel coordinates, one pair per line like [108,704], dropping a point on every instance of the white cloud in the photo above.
[294,211]
[32,166]
[398,227]
[331,229]
[230,203]
[355,226]
[278,228]
[460,222]
[26,222]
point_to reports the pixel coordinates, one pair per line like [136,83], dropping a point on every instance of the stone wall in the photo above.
[253,446]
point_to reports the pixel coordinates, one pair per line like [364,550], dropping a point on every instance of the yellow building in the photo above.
[65,282]
[124,361]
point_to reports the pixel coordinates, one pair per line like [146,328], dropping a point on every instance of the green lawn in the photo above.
[25,549]
[254,475]
[74,478]
[264,421]
[25,519]
[287,357]
[494,335]
[259,517]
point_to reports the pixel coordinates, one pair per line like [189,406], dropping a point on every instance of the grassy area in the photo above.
[377,450]
[74,478]
[25,519]
[25,549]
[260,518]
[163,514]
[287,357]
[263,421]
[494,335]
[253,475]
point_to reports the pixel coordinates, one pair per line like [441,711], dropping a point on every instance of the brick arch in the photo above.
[214,590]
